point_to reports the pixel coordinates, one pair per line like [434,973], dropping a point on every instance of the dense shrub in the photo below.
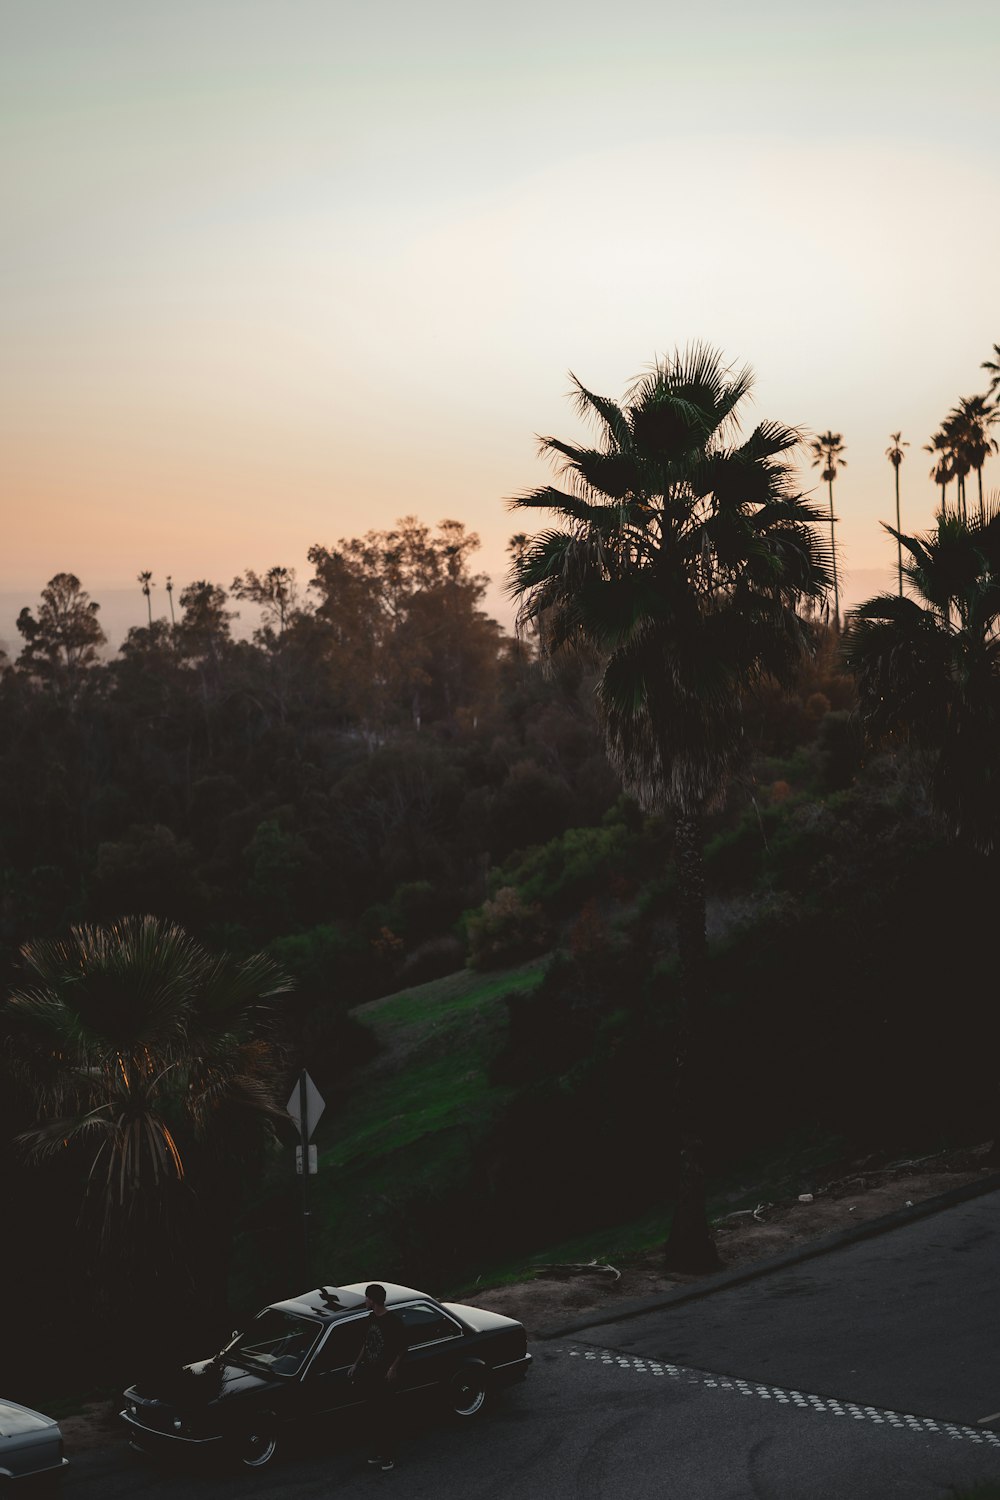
[332,962]
[562,873]
[506,930]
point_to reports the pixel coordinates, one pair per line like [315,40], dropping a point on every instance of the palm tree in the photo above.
[681,558]
[928,668]
[170,596]
[941,472]
[894,453]
[139,1047]
[146,581]
[827,449]
[969,424]
[961,463]
[993,366]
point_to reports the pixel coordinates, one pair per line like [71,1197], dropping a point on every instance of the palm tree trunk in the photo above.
[833,549]
[899,545]
[690,1246]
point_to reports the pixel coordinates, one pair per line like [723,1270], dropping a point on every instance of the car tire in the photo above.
[466,1393]
[257,1445]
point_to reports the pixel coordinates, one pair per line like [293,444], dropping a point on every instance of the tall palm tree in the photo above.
[681,556]
[138,1047]
[958,462]
[928,667]
[941,471]
[146,582]
[827,450]
[894,453]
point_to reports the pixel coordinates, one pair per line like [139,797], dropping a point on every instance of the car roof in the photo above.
[393,1291]
[328,1302]
[323,1302]
[15,1419]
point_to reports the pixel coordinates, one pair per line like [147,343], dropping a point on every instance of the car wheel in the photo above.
[258,1444]
[466,1393]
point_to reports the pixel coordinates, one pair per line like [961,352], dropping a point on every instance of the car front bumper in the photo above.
[162,1440]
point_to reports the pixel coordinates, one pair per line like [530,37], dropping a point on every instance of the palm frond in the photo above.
[588,405]
[570,507]
[769,439]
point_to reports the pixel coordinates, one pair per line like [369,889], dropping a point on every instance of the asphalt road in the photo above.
[860,1375]
[909,1319]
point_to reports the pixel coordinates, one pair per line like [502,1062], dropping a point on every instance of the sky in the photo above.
[275,274]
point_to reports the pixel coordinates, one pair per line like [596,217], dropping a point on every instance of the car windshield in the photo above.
[278,1342]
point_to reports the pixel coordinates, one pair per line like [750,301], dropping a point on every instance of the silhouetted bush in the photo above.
[505,930]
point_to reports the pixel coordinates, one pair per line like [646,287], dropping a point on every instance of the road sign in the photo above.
[313,1161]
[306,1105]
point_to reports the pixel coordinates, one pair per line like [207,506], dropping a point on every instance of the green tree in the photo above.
[141,1051]
[827,450]
[204,630]
[406,639]
[928,667]
[894,453]
[682,556]
[65,638]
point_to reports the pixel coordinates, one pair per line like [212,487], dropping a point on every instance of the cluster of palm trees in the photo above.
[927,666]
[960,447]
[963,443]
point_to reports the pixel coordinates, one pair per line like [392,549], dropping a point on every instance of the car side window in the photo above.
[426,1324]
[340,1347]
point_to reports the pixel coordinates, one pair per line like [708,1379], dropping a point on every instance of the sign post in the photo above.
[305,1107]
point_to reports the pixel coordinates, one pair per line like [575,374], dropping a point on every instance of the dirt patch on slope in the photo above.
[556,1295]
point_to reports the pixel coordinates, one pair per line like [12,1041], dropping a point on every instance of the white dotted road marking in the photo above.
[954,1430]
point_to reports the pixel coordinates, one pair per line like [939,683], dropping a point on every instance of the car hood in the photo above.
[202,1384]
[479,1319]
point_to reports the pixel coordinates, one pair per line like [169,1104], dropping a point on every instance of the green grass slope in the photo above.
[408,1128]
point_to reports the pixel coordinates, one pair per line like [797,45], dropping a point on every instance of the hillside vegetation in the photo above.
[522,1113]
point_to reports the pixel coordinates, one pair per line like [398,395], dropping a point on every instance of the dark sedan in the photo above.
[290,1366]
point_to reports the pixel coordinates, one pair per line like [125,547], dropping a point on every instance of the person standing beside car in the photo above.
[375,1372]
